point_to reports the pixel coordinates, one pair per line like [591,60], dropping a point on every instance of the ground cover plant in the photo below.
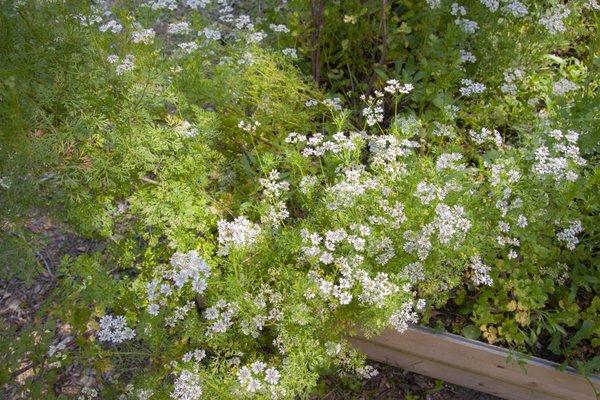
[248,183]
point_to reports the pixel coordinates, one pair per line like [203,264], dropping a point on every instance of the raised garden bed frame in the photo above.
[480,366]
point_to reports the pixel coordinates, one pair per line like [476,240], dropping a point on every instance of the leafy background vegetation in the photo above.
[143,164]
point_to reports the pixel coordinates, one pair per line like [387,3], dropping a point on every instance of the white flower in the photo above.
[516,9]
[279,28]
[449,161]
[113,58]
[188,47]
[240,233]
[114,329]
[145,36]
[126,65]
[569,235]
[480,272]
[457,9]
[190,267]
[434,3]
[467,56]
[374,113]
[393,87]
[290,52]
[179,28]
[404,316]
[187,386]
[272,376]
[564,86]
[112,26]
[197,3]
[486,135]
[211,34]
[491,5]
[367,372]
[552,19]
[467,25]
[470,87]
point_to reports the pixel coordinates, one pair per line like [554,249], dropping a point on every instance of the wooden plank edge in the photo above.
[447,373]
[444,355]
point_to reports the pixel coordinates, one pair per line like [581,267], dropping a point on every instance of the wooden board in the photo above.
[476,365]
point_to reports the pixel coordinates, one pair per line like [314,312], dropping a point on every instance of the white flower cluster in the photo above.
[279,28]
[161,4]
[486,135]
[367,372]
[505,205]
[179,314]
[188,47]
[429,192]
[221,314]
[237,234]
[249,127]
[480,272]
[211,34]
[274,189]
[257,378]
[335,103]
[127,64]
[197,3]
[470,87]
[569,235]
[317,146]
[450,222]
[88,20]
[308,183]
[273,186]
[433,4]
[375,291]
[449,161]
[553,19]
[187,267]
[268,303]
[354,183]
[404,316]
[114,329]
[111,26]
[414,272]
[373,112]
[442,130]
[144,36]
[290,52]
[190,267]
[558,160]
[501,172]
[187,386]
[467,57]
[387,152]
[516,9]
[491,5]
[457,9]
[511,77]
[467,25]
[393,86]
[179,28]
[186,129]
[592,5]
[564,86]
[196,355]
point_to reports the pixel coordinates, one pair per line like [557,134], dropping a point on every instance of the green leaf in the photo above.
[587,328]
[471,332]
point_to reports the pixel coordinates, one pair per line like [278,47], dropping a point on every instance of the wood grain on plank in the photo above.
[476,365]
